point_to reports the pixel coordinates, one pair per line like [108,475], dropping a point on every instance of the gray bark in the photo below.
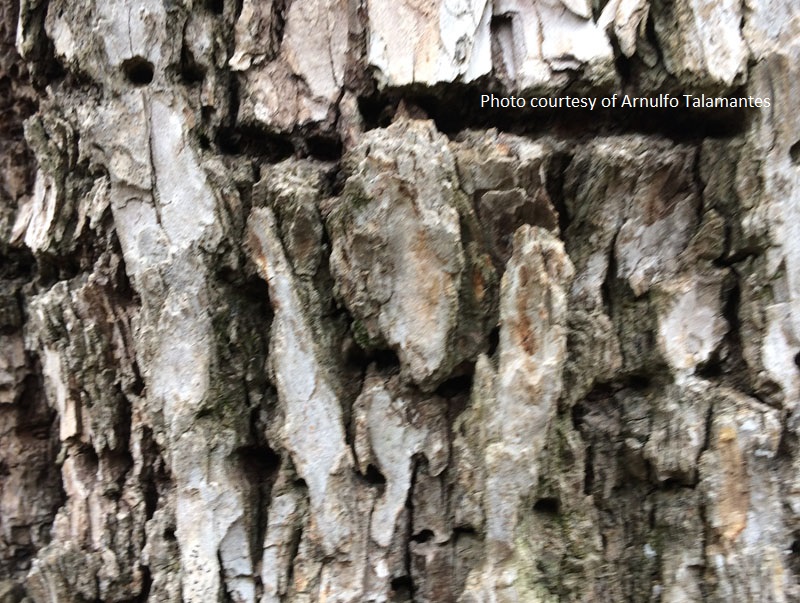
[285,316]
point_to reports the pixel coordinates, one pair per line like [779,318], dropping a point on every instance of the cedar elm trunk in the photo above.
[287,316]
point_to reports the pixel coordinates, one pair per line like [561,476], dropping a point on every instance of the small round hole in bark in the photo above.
[547,506]
[138,70]
[711,368]
[402,584]
[216,6]
[797,360]
[794,153]
[639,382]
[374,476]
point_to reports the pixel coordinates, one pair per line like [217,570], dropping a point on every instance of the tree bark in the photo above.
[286,315]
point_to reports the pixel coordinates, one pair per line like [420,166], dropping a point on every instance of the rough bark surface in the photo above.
[286,317]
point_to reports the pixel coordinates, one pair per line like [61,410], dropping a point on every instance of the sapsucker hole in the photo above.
[138,70]
[402,584]
[422,536]
[794,153]
[639,382]
[797,360]
[547,506]
[215,6]
[374,476]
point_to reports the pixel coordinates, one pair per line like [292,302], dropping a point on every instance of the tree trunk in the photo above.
[287,315]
